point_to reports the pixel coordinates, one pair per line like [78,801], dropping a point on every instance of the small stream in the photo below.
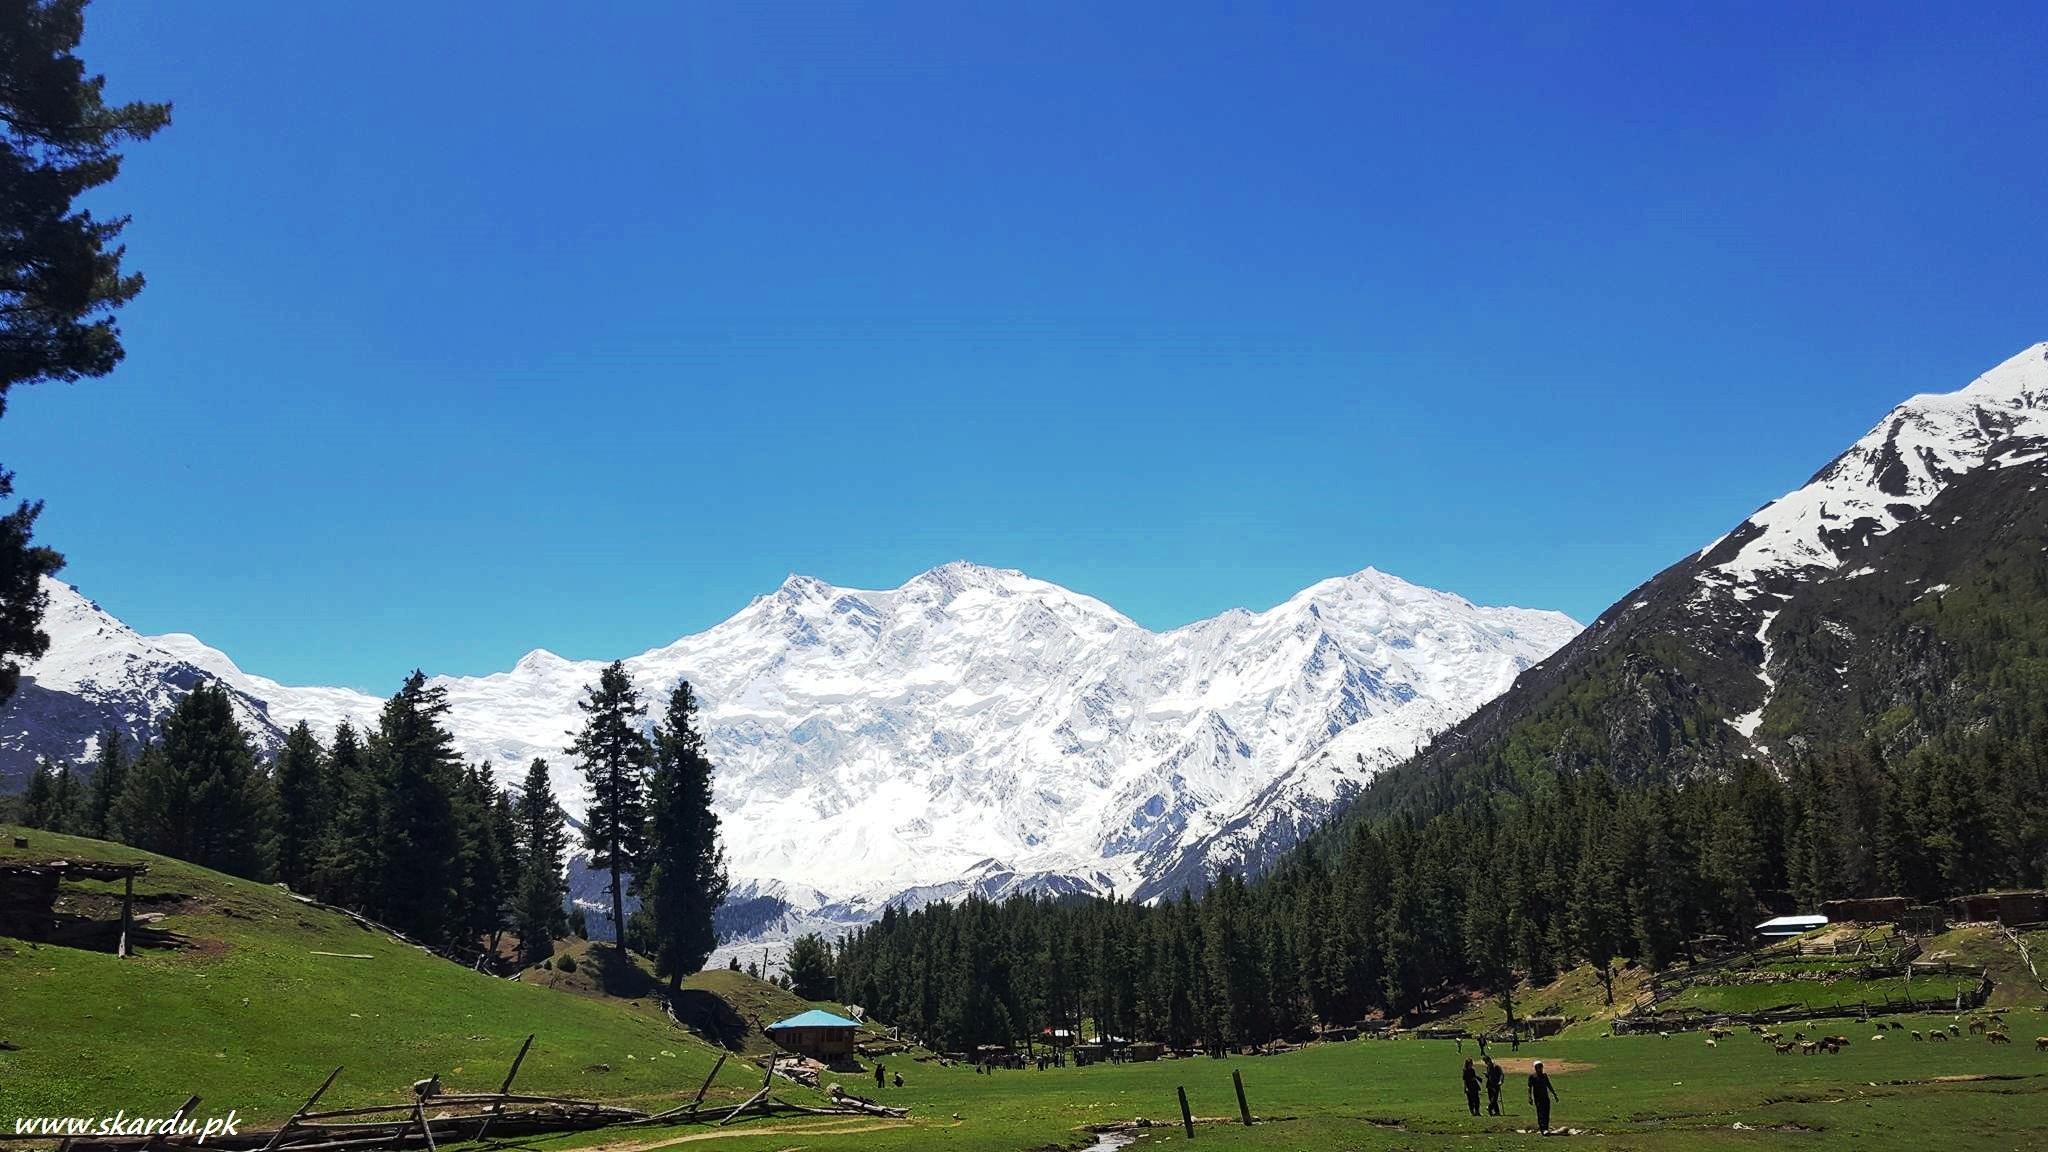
[1112,1141]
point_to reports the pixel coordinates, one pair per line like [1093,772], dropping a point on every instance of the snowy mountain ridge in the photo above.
[973,726]
[1889,475]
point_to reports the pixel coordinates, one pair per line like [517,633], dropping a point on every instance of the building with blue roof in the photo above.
[818,1034]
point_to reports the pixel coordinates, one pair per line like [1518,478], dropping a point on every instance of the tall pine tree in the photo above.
[419,845]
[301,807]
[344,864]
[537,913]
[684,880]
[60,267]
[196,794]
[107,781]
[614,753]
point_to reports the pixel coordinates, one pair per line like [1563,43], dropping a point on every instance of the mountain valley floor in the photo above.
[265,994]
[1622,1092]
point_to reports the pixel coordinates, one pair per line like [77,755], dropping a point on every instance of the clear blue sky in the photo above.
[478,328]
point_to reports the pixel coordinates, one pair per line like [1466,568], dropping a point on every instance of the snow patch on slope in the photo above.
[1893,472]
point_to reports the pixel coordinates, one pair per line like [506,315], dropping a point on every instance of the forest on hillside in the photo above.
[1476,866]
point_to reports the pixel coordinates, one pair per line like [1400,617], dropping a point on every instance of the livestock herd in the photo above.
[1991,1027]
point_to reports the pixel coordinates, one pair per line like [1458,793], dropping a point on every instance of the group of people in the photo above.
[1541,1091]
[880,1072]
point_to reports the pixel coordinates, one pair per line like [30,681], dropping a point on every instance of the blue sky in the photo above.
[473,329]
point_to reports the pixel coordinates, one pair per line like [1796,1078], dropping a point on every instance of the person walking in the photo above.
[1494,1077]
[1541,1093]
[1471,1088]
[878,1075]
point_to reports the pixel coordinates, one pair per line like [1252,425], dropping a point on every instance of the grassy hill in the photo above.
[1577,996]
[249,1014]
[725,1007]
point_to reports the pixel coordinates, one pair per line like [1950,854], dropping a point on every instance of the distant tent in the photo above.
[1786,927]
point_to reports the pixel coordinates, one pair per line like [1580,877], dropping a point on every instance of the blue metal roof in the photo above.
[815,1018]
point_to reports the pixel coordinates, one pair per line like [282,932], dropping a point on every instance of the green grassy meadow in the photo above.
[249,1017]
[1649,1093]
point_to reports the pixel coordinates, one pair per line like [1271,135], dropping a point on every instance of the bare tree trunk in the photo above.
[618,909]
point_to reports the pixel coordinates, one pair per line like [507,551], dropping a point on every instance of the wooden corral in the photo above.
[2024,907]
[28,899]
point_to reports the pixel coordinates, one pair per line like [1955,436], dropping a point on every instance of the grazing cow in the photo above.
[1831,1047]
[1976,1026]
[1783,1048]
[1840,1041]
[1999,1038]
[1771,1037]
[2041,1043]
[1916,1035]
[1938,1034]
[1809,1048]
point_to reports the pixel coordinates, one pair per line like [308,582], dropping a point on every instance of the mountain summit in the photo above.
[876,742]
[1882,609]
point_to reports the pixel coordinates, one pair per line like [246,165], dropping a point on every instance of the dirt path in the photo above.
[848,1127]
[1554,1067]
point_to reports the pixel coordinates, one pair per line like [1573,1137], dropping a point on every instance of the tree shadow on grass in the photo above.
[617,975]
[709,1016]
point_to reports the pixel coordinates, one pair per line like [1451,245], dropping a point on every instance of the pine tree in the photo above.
[419,846]
[486,869]
[60,268]
[809,967]
[537,914]
[107,780]
[196,794]
[684,880]
[67,799]
[37,810]
[302,807]
[345,862]
[614,755]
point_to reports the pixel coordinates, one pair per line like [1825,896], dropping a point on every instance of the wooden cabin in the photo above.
[820,1035]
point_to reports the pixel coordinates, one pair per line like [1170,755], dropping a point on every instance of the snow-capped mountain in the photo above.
[1810,625]
[1888,476]
[974,726]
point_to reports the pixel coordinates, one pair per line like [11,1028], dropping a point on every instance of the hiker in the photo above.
[1541,1093]
[1471,1088]
[1461,1045]
[878,1075]
[1514,1039]
[1494,1077]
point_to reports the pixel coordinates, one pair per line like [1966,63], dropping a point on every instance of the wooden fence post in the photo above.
[1243,1109]
[1187,1118]
[303,1109]
[706,1086]
[505,1088]
[127,915]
